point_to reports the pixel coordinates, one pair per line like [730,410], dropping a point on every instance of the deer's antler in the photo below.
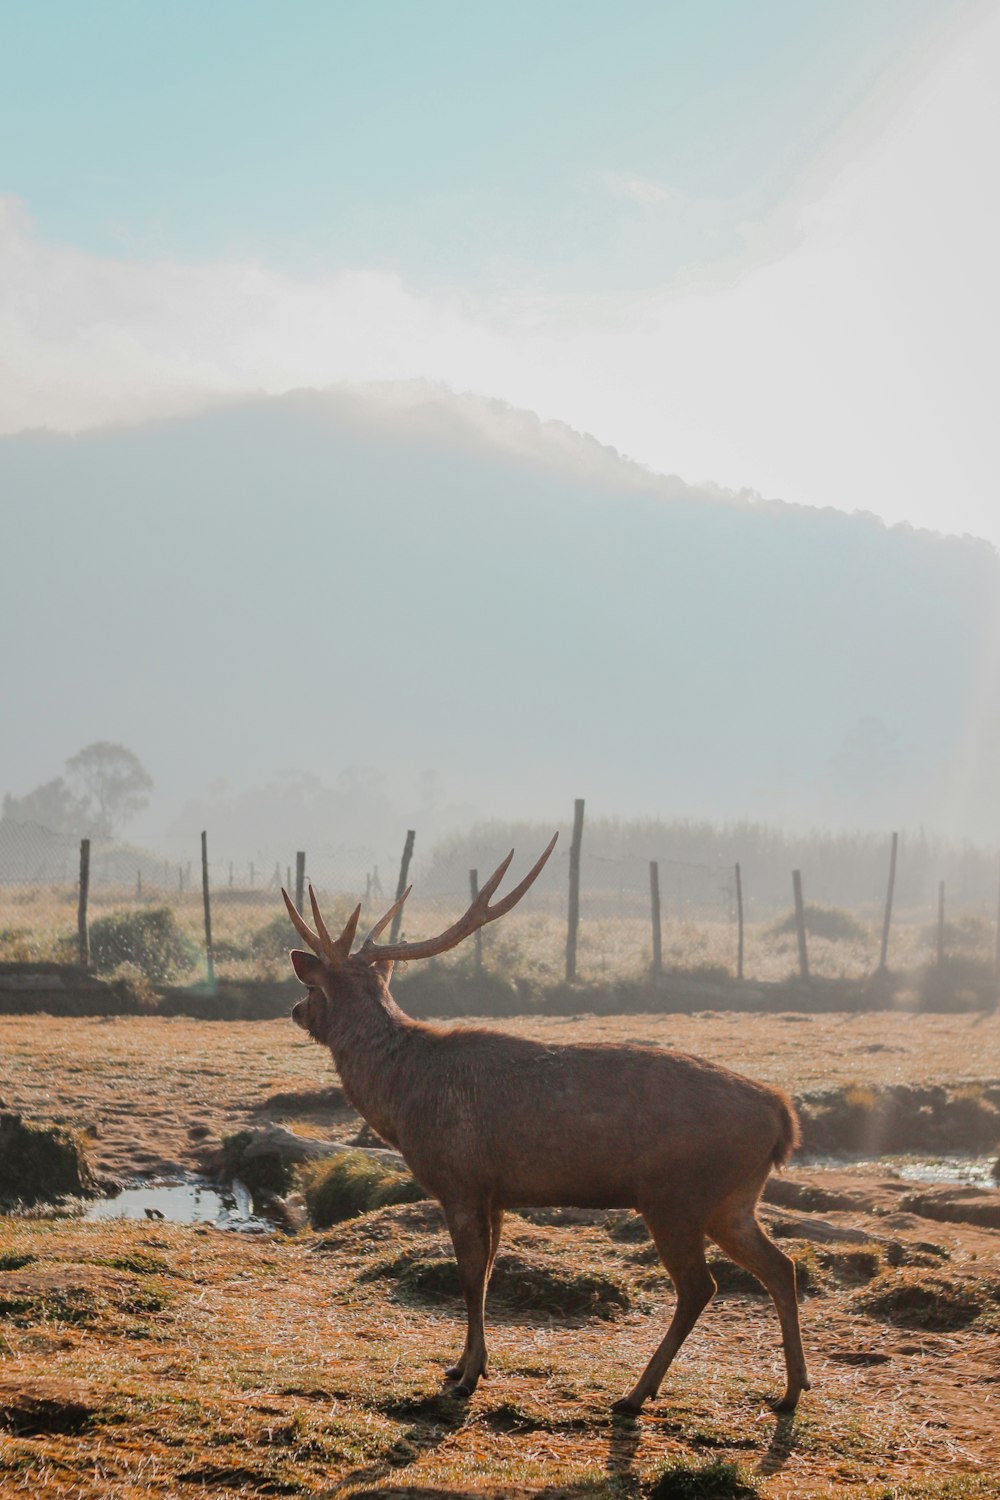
[330,950]
[478,914]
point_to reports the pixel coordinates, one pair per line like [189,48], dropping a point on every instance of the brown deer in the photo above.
[488,1122]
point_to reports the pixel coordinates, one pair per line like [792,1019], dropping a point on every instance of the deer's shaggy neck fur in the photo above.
[370,1040]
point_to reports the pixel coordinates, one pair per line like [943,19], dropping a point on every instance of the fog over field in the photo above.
[370,610]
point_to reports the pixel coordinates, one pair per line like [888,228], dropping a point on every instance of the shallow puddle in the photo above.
[971,1171]
[190,1201]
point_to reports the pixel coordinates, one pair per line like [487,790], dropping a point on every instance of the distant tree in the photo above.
[114,785]
[53,806]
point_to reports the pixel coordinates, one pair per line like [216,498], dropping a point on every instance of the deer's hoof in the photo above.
[786,1404]
[626,1407]
[463,1390]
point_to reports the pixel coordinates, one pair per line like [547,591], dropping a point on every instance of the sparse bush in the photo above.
[149,939]
[276,937]
[830,922]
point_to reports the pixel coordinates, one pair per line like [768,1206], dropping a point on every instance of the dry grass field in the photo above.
[38,923]
[142,1360]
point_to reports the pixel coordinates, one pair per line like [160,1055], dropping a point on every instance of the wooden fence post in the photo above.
[940,924]
[208,907]
[739,922]
[800,924]
[474,892]
[574,890]
[404,870]
[82,929]
[300,878]
[887,919]
[654,901]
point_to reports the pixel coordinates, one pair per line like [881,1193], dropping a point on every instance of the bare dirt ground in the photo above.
[157,1360]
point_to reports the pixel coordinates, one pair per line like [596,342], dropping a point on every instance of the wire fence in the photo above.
[699,919]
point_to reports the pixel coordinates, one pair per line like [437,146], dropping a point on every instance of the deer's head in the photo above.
[331,969]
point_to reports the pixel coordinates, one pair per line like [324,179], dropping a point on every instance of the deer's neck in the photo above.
[368,1039]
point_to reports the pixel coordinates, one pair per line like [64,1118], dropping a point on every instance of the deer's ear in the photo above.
[307,966]
[384,966]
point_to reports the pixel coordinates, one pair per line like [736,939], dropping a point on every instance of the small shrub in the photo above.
[829,922]
[149,939]
[276,937]
[351,1184]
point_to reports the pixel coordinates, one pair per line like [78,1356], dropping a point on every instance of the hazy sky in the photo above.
[748,242]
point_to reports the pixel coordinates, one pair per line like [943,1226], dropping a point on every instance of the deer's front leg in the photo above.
[471,1228]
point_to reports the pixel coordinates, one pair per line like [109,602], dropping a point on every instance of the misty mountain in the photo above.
[455,604]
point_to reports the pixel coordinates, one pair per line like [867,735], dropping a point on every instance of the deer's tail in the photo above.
[790,1136]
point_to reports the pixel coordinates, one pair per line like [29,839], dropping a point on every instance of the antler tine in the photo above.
[302,927]
[383,922]
[477,915]
[488,887]
[329,947]
[343,944]
[514,896]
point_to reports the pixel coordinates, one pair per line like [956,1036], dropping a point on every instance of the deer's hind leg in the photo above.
[475,1234]
[682,1251]
[735,1229]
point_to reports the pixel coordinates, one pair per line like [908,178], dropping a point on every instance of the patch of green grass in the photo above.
[718,1479]
[353,1183]
[139,1262]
